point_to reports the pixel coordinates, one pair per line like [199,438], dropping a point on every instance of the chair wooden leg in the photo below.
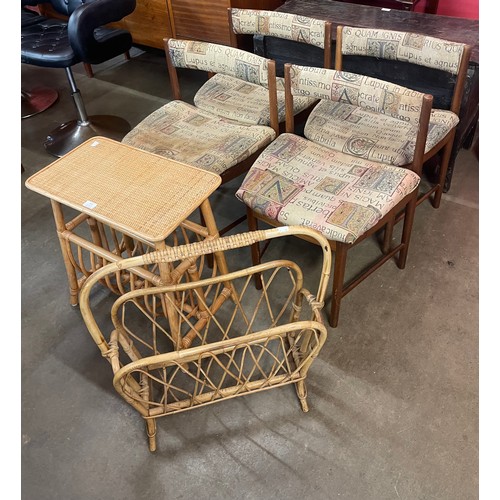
[388,231]
[127,55]
[436,200]
[151,432]
[88,70]
[407,226]
[338,282]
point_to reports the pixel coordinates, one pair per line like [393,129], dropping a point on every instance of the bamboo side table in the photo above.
[116,187]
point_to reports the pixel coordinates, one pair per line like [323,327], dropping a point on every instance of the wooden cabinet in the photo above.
[207,19]
[204,20]
[149,24]
[200,20]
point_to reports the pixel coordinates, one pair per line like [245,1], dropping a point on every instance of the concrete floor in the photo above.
[393,395]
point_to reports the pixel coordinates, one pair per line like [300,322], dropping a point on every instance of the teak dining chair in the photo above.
[212,348]
[445,61]
[224,94]
[201,138]
[301,180]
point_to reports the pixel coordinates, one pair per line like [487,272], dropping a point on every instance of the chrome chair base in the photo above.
[37,100]
[71,134]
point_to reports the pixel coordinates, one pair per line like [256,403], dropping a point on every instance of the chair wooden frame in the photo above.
[163,368]
[406,206]
[446,144]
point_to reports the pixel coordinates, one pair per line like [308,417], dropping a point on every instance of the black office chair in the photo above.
[37,99]
[56,43]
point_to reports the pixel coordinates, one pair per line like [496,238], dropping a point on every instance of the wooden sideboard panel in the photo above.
[200,20]
[207,19]
[149,24]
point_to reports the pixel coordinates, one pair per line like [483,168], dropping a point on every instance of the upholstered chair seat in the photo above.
[244,102]
[296,181]
[405,53]
[183,132]
[361,132]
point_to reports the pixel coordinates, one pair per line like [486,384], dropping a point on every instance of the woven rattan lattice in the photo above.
[221,338]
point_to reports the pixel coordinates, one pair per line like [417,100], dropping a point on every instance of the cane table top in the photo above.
[142,194]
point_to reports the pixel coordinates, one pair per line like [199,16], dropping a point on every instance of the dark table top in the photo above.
[454,29]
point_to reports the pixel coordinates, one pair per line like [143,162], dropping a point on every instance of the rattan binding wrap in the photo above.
[222,338]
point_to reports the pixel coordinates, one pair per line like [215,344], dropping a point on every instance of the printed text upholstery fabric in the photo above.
[359,90]
[279,24]
[361,132]
[295,181]
[184,133]
[216,58]
[242,101]
[403,46]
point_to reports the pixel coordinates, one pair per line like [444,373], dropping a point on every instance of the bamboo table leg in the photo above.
[70,270]
[63,233]
[208,216]
[212,231]
[170,300]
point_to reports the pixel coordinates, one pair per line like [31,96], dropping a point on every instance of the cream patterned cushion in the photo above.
[359,90]
[216,58]
[242,101]
[279,24]
[364,133]
[184,133]
[403,46]
[295,181]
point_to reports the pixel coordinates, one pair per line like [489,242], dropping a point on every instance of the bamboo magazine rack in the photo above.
[223,337]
